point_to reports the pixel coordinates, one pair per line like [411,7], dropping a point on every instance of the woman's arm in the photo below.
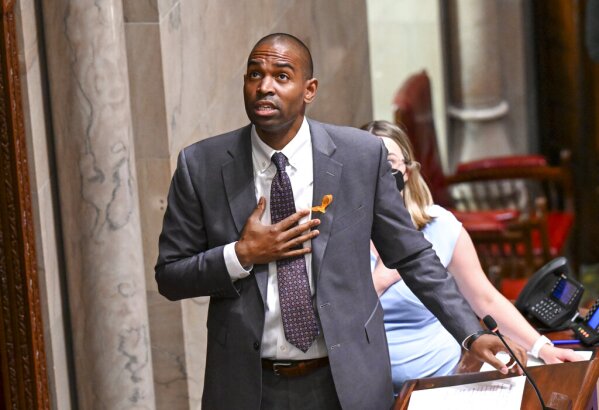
[485,299]
[382,276]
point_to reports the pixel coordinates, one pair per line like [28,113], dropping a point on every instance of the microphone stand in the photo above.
[492,326]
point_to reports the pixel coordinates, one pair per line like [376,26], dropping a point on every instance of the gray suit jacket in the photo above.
[211,196]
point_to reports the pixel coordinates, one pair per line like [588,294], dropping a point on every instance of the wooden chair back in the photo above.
[517,181]
[529,209]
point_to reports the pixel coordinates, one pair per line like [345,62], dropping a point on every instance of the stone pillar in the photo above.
[91,114]
[477,108]
[155,53]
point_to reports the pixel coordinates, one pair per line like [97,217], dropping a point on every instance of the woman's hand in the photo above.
[551,354]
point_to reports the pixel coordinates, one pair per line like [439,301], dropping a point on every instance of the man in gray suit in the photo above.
[294,320]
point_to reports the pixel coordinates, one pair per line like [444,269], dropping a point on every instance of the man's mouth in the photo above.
[264,107]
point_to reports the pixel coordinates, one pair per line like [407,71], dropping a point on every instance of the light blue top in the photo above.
[419,346]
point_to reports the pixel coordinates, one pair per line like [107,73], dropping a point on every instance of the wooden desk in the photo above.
[577,380]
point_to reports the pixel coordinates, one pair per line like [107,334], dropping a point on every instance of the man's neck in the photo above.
[278,139]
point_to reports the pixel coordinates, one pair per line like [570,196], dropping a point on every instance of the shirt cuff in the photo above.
[536,348]
[234,268]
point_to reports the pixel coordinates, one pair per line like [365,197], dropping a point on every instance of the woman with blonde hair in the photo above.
[419,346]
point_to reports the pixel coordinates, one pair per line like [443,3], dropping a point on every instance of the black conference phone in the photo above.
[551,296]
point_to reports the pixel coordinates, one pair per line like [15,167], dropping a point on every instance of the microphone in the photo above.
[491,324]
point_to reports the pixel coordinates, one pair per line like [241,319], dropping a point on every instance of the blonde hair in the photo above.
[417,196]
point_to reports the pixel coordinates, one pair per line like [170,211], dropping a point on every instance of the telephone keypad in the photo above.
[546,309]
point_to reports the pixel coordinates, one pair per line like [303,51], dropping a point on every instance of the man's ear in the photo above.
[310,91]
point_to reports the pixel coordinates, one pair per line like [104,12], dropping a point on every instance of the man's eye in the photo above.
[283,76]
[254,74]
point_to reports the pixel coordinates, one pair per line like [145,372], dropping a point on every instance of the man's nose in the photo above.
[265,86]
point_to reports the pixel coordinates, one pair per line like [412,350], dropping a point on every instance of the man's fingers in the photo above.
[523,357]
[495,362]
[296,231]
[512,365]
[520,354]
[485,347]
[296,252]
[297,241]
[293,219]
[295,244]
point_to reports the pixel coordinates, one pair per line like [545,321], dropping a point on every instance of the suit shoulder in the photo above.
[217,144]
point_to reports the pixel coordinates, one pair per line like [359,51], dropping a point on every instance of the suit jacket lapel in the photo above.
[238,180]
[327,174]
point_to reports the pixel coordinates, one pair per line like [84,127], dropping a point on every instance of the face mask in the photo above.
[399,181]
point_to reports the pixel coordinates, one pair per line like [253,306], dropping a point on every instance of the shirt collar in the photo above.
[261,152]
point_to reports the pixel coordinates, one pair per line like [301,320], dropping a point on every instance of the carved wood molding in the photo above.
[22,356]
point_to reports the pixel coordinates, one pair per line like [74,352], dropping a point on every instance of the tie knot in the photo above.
[280,161]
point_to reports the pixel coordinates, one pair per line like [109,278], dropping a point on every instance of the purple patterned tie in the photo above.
[299,320]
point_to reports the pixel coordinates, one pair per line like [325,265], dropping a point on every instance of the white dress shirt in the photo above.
[299,155]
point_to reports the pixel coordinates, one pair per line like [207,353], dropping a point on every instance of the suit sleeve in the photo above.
[186,266]
[404,248]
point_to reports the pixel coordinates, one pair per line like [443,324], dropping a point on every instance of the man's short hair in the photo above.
[304,50]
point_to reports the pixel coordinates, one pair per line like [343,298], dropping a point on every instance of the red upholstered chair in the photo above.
[413,111]
[518,210]
[529,213]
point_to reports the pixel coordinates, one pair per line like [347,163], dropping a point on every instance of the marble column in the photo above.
[89,91]
[477,108]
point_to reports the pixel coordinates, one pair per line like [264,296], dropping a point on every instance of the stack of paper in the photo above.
[504,357]
[504,394]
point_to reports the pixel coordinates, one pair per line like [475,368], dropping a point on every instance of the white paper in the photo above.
[531,362]
[504,394]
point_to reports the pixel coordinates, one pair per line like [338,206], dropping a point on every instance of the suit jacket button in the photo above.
[256,345]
